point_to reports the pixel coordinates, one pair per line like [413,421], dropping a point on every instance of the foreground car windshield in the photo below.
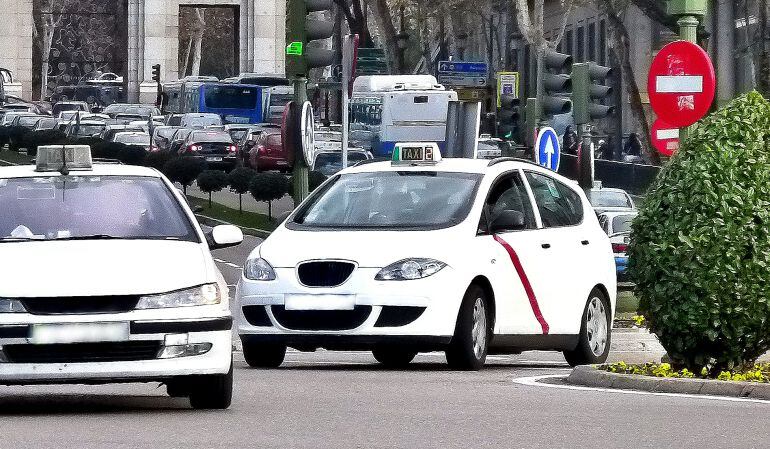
[59,207]
[397,200]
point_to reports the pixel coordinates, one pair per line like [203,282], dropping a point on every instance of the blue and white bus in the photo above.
[235,103]
[386,109]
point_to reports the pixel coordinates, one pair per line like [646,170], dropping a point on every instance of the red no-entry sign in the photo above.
[681,83]
[665,138]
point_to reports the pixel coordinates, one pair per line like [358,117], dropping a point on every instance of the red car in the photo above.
[268,153]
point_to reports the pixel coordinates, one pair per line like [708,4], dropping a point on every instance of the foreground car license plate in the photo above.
[43,334]
[213,159]
[320,302]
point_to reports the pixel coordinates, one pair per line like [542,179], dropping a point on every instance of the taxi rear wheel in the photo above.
[263,355]
[394,357]
[212,391]
[468,348]
[595,332]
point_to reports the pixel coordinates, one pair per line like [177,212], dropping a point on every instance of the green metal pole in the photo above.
[688,31]
[301,171]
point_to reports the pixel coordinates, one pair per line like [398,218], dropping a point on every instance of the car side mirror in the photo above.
[507,220]
[224,236]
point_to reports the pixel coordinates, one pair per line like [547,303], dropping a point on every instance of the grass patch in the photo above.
[220,212]
[14,157]
[627,302]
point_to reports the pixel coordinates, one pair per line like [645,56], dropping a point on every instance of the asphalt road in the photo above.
[345,400]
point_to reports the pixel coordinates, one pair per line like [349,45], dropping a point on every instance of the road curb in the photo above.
[209,221]
[590,376]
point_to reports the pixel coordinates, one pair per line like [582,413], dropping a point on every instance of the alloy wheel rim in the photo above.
[479,330]
[596,326]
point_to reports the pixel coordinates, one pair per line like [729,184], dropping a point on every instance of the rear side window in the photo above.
[559,205]
[508,193]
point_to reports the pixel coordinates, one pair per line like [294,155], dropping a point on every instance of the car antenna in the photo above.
[64,170]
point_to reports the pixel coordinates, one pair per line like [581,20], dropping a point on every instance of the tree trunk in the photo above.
[270,210]
[197,37]
[388,30]
[187,58]
[49,27]
[620,47]
[763,50]
[240,203]
[209,200]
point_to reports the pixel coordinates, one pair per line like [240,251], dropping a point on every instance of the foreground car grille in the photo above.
[324,273]
[80,305]
[321,320]
[83,352]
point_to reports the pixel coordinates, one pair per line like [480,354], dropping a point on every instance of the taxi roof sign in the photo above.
[63,158]
[416,153]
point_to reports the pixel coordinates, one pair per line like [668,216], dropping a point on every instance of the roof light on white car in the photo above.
[418,153]
[11,306]
[258,270]
[203,295]
[410,269]
[63,158]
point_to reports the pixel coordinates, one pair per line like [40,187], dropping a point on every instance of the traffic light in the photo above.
[156,73]
[589,89]
[556,83]
[508,117]
[301,31]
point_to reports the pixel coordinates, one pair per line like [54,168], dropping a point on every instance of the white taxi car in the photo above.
[105,276]
[422,254]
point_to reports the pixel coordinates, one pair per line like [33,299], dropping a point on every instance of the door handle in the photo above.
[585,242]
[546,245]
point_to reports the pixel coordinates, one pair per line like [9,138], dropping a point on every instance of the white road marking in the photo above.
[229,264]
[534,381]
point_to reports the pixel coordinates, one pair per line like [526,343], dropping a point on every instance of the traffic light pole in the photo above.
[688,31]
[301,172]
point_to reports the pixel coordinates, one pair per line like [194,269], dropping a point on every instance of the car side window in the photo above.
[508,193]
[559,205]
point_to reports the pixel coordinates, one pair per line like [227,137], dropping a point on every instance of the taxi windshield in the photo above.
[85,207]
[405,200]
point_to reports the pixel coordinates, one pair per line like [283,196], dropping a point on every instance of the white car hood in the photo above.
[100,268]
[370,249]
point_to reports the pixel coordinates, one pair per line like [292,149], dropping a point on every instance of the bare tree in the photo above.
[199,27]
[52,13]
[355,15]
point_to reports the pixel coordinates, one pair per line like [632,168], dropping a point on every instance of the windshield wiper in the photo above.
[90,237]
[20,239]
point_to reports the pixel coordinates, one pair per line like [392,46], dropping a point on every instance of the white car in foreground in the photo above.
[422,254]
[107,277]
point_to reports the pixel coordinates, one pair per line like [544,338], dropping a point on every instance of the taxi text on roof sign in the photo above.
[63,158]
[416,153]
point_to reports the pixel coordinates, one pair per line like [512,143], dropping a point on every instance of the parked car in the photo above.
[178,140]
[489,147]
[610,200]
[161,138]
[86,128]
[108,134]
[139,139]
[141,110]
[249,140]
[617,225]
[329,162]
[268,153]
[69,106]
[200,120]
[237,131]
[215,147]
[22,125]
[174,120]
[46,123]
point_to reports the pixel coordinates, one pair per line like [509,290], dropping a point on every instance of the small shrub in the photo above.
[34,139]
[157,159]
[132,155]
[240,181]
[183,170]
[269,187]
[700,247]
[212,181]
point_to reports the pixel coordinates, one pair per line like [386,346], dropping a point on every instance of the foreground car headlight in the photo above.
[258,270]
[204,295]
[409,269]
[11,306]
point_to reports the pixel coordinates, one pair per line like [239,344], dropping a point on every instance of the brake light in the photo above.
[619,247]
[192,148]
[232,148]
[261,150]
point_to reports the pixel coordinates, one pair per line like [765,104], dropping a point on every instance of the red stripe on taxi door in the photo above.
[525,283]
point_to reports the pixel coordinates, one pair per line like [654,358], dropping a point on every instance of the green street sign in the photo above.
[294,49]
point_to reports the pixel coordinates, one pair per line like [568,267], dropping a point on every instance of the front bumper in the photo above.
[15,338]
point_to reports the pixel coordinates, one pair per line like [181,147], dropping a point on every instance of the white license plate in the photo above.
[320,302]
[43,334]
[213,159]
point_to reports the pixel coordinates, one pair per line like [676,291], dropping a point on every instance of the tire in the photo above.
[212,392]
[264,355]
[178,388]
[394,357]
[468,349]
[595,332]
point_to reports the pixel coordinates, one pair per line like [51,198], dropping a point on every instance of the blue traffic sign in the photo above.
[548,149]
[463,74]
[462,67]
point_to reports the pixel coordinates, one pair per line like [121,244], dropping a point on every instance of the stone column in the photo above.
[724,42]
[16,45]
[269,24]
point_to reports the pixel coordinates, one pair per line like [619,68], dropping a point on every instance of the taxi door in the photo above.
[519,264]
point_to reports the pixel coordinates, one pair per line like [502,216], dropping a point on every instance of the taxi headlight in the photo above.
[203,295]
[11,306]
[258,270]
[409,269]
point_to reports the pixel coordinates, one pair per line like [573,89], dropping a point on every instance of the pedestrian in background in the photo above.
[570,142]
[632,152]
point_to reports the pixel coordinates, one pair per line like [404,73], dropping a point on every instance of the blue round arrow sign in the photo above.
[548,149]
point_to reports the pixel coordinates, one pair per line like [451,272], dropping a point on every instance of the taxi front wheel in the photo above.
[211,392]
[394,357]
[595,332]
[468,349]
[264,355]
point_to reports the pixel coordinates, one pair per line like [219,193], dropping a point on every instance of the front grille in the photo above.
[80,305]
[324,273]
[83,352]
[321,320]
